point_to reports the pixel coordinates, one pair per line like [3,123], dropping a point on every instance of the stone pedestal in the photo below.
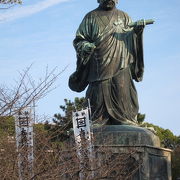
[155,161]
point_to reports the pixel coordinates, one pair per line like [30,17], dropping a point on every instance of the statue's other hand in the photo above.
[89,47]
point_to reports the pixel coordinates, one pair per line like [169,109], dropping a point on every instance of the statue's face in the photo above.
[107,4]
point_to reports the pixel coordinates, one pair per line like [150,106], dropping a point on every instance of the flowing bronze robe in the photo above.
[111,67]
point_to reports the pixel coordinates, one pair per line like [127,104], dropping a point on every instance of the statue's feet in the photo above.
[110,121]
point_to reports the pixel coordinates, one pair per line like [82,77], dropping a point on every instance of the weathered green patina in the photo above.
[109,57]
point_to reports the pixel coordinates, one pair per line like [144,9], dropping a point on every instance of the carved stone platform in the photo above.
[155,161]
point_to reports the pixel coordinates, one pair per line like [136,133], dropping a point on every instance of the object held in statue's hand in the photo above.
[141,22]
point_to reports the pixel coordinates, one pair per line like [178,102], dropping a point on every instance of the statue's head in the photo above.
[101,1]
[107,4]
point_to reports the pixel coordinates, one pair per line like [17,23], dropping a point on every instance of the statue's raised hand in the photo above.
[138,28]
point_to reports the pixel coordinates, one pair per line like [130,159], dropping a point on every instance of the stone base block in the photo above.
[155,162]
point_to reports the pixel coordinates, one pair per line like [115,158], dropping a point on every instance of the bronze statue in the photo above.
[109,57]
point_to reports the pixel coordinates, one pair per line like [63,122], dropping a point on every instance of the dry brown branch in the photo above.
[26,91]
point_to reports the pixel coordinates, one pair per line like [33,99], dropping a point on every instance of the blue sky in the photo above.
[41,32]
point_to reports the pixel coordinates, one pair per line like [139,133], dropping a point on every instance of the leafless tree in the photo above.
[25,91]
[55,161]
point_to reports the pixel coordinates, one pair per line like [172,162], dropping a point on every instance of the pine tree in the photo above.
[62,122]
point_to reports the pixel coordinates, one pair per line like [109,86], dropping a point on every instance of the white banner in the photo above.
[81,125]
[83,138]
[24,141]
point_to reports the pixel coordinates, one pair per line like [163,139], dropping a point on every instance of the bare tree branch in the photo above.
[26,91]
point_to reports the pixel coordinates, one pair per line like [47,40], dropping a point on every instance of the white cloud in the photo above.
[24,11]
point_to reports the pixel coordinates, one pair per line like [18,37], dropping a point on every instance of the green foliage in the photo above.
[40,128]
[167,138]
[7,126]
[141,118]
[63,121]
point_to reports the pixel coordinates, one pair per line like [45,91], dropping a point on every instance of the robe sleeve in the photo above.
[86,33]
[137,65]
[137,68]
